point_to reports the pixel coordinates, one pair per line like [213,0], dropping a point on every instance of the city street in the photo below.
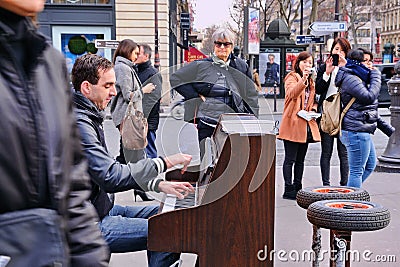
[292,230]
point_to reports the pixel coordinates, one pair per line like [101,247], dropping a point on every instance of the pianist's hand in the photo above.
[178,159]
[179,189]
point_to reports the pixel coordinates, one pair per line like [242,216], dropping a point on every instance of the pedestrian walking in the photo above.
[151,102]
[256,79]
[129,88]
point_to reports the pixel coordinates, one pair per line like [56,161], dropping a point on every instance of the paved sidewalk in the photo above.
[293,231]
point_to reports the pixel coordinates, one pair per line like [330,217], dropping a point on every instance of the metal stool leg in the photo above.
[340,243]
[316,245]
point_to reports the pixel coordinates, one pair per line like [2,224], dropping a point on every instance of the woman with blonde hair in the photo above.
[295,131]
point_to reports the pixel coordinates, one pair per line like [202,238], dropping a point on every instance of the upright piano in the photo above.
[232,221]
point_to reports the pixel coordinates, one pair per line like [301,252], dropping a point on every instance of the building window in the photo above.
[363,33]
[80,2]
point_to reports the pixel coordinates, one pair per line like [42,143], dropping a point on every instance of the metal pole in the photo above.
[301,17]
[320,55]
[390,159]
[316,245]
[265,19]
[336,16]
[275,85]
[156,41]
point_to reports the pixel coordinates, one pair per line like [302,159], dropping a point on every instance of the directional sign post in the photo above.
[309,39]
[106,44]
[324,28]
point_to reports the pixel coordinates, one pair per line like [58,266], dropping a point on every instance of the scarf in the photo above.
[219,62]
[359,69]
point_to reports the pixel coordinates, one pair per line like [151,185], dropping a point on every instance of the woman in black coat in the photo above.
[325,87]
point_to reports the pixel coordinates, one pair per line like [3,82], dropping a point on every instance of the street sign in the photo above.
[309,39]
[326,27]
[185,37]
[319,33]
[106,44]
[185,21]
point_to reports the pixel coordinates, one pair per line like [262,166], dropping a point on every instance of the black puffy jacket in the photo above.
[363,114]
[200,78]
[39,139]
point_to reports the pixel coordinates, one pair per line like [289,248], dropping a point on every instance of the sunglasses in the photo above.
[219,44]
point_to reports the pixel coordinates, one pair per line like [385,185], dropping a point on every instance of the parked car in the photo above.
[387,71]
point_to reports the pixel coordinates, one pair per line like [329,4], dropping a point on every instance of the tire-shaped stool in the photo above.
[348,215]
[307,196]
[344,216]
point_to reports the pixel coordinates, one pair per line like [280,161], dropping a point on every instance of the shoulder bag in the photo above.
[134,128]
[332,115]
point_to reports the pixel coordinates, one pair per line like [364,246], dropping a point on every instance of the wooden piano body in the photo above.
[234,224]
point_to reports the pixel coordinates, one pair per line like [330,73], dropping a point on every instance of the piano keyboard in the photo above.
[171,202]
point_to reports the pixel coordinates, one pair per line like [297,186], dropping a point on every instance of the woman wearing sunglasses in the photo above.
[219,84]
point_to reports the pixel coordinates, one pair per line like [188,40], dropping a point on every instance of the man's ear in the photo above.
[85,88]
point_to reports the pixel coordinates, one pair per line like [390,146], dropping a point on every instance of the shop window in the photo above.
[75,41]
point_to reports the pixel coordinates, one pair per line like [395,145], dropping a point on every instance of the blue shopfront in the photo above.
[73,25]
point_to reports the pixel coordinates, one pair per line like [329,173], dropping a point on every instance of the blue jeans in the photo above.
[362,156]
[125,230]
[151,149]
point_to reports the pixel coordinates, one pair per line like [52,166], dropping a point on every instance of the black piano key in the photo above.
[187,202]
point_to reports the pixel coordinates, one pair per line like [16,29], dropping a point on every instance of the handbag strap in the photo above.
[344,112]
[131,103]
[347,107]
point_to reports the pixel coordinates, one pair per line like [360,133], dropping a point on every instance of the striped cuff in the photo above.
[153,184]
[161,166]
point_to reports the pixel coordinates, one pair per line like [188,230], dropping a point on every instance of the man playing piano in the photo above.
[123,228]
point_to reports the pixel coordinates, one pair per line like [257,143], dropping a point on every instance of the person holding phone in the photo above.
[299,96]
[325,87]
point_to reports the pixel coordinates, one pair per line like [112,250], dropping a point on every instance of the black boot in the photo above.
[290,192]
[298,187]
